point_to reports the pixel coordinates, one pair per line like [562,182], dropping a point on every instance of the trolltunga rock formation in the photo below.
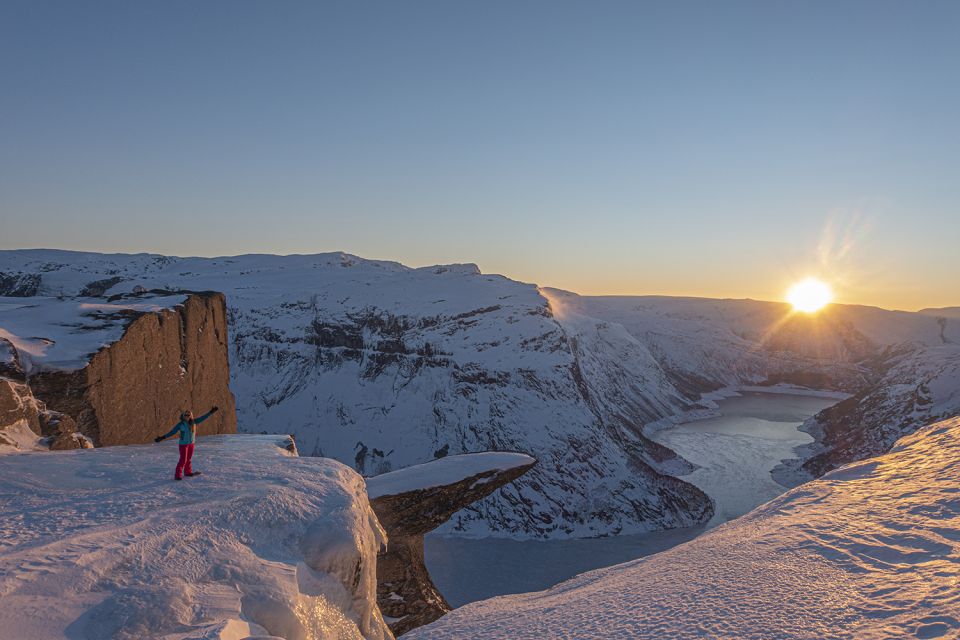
[122,370]
[413,501]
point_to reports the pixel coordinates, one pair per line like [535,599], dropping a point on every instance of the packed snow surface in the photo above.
[102,543]
[444,471]
[871,550]
[50,333]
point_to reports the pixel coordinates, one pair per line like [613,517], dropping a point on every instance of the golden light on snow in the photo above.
[809,295]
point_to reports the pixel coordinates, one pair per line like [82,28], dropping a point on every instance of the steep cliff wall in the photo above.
[165,361]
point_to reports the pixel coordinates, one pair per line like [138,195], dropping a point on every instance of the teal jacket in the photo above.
[186,432]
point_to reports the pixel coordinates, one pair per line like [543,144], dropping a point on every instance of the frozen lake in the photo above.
[735,453]
[737,450]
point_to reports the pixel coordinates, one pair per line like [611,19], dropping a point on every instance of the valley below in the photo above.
[734,451]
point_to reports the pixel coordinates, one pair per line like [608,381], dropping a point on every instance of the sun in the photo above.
[809,295]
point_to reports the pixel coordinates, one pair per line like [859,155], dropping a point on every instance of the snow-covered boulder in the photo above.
[414,501]
[102,543]
[869,551]
[27,425]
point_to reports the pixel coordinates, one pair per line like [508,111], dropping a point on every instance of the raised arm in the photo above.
[175,429]
[206,415]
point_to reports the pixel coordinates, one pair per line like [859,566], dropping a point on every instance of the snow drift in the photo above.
[102,544]
[871,550]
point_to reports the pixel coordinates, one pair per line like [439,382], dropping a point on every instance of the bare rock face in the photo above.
[134,389]
[405,592]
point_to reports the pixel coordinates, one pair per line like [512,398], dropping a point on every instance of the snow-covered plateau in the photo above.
[382,366]
[60,334]
[868,551]
[102,543]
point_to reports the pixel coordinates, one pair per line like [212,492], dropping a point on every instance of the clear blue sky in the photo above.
[704,148]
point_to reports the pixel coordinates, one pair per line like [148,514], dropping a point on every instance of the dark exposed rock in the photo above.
[19,285]
[99,287]
[405,591]
[10,366]
[61,430]
[134,389]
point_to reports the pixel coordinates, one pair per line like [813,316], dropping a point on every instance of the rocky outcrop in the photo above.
[405,592]
[920,385]
[21,414]
[134,389]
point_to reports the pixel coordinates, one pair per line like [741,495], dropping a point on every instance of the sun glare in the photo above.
[809,295]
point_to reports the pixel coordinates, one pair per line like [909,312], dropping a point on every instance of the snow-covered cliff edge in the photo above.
[102,544]
[414,501]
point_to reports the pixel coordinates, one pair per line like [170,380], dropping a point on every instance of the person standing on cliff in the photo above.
[187,428]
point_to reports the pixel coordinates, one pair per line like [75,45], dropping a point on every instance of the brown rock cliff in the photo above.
[134,389]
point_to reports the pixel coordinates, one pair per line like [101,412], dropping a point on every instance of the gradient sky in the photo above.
[688,148]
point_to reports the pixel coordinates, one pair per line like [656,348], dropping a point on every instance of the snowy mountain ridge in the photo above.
[384,366]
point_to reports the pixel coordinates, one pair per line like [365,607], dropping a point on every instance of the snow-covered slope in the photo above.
[101,543]
[919,384]
[384,366]
[730,342]
[871,550]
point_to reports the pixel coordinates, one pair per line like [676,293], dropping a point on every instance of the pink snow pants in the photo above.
[186,453]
